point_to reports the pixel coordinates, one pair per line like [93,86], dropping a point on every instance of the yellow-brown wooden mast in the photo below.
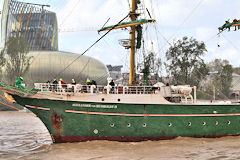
[133,15]
[133,46]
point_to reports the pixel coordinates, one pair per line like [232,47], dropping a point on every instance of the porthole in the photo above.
[189,124]
[102,99]
[112,125]
[203,123]
[119,99]
[169,124]
[95,131]
[228,122]
[144,125]
[216,123]
[128,125]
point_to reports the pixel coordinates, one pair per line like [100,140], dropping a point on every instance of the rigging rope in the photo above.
[231,43]
[68,15]
[84,67]
[91,46]
[129,5]
[189,15]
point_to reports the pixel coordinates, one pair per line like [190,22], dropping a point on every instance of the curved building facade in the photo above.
[40,29]
[49,65]
[36,24]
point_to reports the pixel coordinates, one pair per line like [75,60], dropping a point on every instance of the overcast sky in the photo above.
[174,19]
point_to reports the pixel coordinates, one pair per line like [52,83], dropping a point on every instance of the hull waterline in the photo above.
[76,121]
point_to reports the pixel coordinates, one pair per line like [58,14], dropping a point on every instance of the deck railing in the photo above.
[78,88]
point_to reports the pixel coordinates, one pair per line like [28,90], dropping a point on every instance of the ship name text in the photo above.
[95,106]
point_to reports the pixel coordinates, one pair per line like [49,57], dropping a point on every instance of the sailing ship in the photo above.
[125,113]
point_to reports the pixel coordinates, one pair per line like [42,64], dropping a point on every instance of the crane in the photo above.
[81,29]
[36,4]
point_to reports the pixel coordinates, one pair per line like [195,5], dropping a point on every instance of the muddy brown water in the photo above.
[24,137]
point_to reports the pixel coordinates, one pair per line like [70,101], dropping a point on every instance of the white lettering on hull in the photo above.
[95,106]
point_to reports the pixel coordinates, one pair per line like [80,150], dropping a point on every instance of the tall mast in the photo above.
[133,46]
[134,22]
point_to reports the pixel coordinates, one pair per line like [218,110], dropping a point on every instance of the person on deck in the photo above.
[73,82]
[63,83]
[94,83]
[87,88]
[48,86]
[227,25]
[55,83]
[18,83]
[88,82]
[112,83]
[235,21]
[238,23]
[73,85]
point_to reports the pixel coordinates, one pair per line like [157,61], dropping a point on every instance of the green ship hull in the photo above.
[74,121]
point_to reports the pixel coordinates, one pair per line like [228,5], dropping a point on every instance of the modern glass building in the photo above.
[40,29]
[36,24]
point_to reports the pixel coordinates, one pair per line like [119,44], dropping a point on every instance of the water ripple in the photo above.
[24,137]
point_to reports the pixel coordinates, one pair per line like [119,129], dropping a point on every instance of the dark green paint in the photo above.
[75,124]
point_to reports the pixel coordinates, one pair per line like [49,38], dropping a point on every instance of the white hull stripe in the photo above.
[152,115]
[47,109]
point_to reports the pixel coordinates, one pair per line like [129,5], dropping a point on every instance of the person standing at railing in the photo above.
[73,85]
[88,82]
[62,84]
[112,84]
[95,84]
[48,86]
[73,82]
[55,83]
[87,88]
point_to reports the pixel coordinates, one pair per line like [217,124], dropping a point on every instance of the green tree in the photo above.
[2,62]
[236,70]
[217,64]
[185,62]
[151,64]
[222,79]
[17,60]
[226,79]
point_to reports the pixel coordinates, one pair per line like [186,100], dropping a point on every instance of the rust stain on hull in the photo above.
[57,122]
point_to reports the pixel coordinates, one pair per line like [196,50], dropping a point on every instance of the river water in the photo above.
[24,137]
